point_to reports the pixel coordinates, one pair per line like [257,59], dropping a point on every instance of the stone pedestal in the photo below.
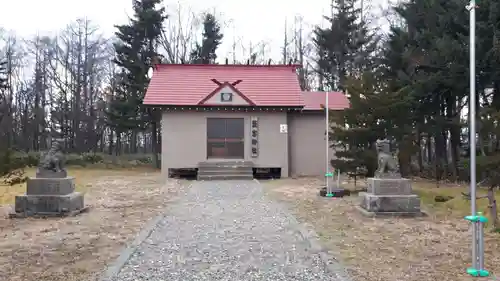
[49,196]
[51,174]
[389,186]
[389,196]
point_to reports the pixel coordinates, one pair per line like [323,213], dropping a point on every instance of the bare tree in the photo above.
[285,52]
[12,54]
[303,53]
[77,73]
[179,34]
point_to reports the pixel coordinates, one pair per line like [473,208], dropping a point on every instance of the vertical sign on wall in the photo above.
[255,136]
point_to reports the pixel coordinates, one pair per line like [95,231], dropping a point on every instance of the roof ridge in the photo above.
[230,65]
[320,92]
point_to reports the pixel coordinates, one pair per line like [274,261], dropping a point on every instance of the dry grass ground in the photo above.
[431,248]
[78,248]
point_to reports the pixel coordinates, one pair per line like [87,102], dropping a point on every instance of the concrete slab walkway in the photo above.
[227,230]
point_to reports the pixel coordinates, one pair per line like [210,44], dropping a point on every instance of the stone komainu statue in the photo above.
[54,159]
[387,165]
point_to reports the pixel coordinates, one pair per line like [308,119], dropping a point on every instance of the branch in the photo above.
[467,196]
[177,37]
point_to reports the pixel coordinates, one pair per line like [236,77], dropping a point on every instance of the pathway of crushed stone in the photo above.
[226,230]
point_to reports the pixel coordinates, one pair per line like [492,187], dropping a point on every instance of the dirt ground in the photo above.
[78,248]
[436,247]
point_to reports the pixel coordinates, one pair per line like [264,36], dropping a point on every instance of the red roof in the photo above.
[317,100]
[190,84]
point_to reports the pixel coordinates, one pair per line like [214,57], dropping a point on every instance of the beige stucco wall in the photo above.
[307,144]
[184,138]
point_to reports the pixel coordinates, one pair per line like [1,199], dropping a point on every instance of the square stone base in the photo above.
[389,186]
[390,214]
[50,186]
[49,205]
[14,215]
[390,203]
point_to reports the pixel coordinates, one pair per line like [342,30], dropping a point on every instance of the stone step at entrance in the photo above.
[225,164]
[247,172]
[225,170]
[225,177]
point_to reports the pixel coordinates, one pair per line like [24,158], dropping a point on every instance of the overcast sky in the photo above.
[252,21]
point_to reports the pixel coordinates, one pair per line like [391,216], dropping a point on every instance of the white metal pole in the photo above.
[472,127]
[327,164]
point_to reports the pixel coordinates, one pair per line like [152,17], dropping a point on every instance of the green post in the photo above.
[479,220]
[329,190]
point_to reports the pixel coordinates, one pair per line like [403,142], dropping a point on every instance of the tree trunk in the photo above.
[454,136]
[419,151]
[429,148]
[493,207]
[111,143]
[133,142]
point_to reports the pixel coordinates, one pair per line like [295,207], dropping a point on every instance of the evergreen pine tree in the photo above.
[426,64]
[122,112]
[358,127]
[345,47]
[212,38]
[135,52]
[345,52]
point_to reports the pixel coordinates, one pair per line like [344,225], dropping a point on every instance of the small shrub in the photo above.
[145,160]
[15,177]
[9,161]
[92,158]
[12,160]
[75,160]
[32,159]
[442,198]
[486,168]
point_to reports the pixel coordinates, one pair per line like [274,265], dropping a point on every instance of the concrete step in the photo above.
[225,177]
[227,167]
[226,164]
[225,172]
[217,169]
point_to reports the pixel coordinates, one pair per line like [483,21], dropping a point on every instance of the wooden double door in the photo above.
[226,138]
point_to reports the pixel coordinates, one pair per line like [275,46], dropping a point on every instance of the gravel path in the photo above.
[226,230]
